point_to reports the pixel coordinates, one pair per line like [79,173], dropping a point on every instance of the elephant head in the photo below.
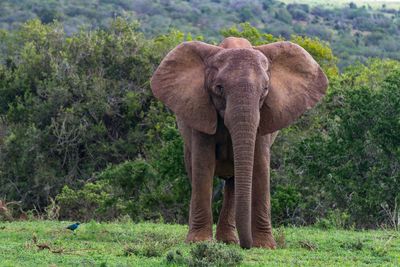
[253,89]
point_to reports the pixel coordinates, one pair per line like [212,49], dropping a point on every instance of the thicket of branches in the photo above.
[80,125]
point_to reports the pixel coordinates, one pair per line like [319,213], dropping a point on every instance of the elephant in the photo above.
[230,101]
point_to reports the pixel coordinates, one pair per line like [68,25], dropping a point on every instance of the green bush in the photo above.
[132,177]
[286,201]
[95,201]
[150,244]
[156,189]
[75,104]
[206,254]
[350,166]
[137,184]
[176,258]
[334,219]
[214,254]
[81,123]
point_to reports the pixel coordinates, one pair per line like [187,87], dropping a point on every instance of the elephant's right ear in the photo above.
[179,82]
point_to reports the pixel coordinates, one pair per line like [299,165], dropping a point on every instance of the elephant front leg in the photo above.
[226,229]
[261,203]
[202,167]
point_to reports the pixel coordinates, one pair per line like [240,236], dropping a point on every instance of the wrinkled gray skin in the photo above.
[229,101]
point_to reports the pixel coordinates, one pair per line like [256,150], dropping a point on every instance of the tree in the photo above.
[75,104]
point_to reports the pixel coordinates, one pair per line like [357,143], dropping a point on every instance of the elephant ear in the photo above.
[179,82]
[297,83]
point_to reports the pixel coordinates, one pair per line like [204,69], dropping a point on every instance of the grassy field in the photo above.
[48,243]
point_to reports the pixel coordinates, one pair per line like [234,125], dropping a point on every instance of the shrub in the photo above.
[353,161]
[176,257]
[80,119]
[353,245]
[285,201]
[74,104]
[94,201]
[334,219]
[207,254]
[156,189]
[150,244]
[214,254]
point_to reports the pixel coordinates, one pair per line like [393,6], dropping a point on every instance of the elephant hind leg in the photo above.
[226,229]
[188,163]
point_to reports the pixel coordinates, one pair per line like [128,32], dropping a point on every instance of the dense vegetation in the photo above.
[74,105]
[47,243]
[82,137]
[354,32]
[85,139]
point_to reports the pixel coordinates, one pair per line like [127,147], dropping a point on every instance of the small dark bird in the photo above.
[73,227]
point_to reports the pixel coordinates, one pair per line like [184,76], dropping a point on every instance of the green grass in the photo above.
[148,244]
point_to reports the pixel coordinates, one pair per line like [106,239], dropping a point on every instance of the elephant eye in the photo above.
[219,90]
[265,91]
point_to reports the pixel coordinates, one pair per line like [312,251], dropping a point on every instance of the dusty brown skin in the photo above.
[229,101]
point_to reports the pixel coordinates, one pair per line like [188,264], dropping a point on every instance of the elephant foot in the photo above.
[199,236]
[264,241]
[227,236]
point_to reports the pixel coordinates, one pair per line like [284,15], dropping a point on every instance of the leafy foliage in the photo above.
[94,201]
[214,254]
[351,162]
[78,120]
[151,244]
[75,104]
[356,32]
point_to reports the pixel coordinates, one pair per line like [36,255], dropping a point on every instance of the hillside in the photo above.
[340,3]
[354,32]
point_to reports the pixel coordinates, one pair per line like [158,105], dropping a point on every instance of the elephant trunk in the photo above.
[243,124]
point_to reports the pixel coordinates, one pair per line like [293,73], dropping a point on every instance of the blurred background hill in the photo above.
[356,30]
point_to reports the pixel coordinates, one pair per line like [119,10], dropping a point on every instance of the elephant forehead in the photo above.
[237,58]
[235,42]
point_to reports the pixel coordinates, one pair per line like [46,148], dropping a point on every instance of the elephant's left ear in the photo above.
[297,83]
